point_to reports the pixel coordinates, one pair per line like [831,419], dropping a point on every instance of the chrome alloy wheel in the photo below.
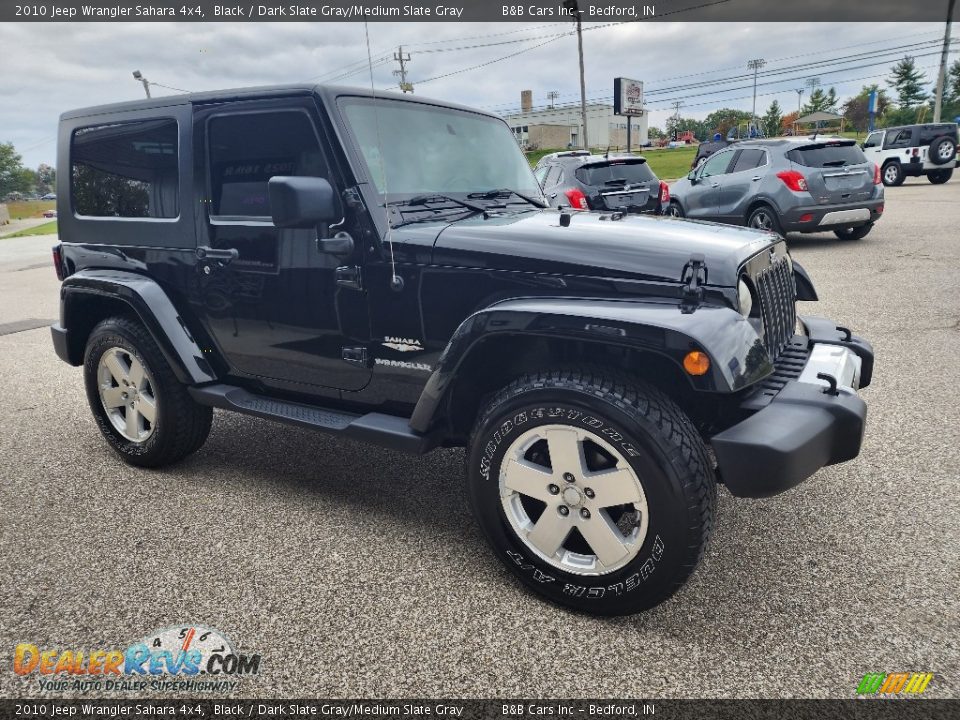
[762,220]
[944,151]
[127,394]
[891,173]
[573,499]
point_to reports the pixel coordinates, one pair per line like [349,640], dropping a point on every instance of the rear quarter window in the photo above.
[820,156]
[614,172]
[125,170]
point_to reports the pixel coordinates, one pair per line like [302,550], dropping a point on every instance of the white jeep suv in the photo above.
[914,150]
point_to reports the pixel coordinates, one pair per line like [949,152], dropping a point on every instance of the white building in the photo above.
[560,126]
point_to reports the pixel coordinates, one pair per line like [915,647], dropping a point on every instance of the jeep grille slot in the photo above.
[778,297]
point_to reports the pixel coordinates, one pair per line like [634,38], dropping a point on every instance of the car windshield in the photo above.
[630,171]
[414,149]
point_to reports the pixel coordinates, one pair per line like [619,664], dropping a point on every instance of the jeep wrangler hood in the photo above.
[637,246]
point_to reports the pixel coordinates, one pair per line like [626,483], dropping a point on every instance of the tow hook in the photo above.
[832,390]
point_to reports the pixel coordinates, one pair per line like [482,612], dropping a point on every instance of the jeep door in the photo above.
[703,201]
[279,310]
[741,185]
[873,146]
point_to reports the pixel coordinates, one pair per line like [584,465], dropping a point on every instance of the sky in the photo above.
[46,69]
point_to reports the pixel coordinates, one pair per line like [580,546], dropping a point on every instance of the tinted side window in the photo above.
[874,140]
[899,138]
[247,149]
[553,176]
[540,174]
[748,160]
[928,133]
[126,170]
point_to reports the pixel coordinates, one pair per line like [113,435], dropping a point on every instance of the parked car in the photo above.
[785,185]
[708,148]
[913,151]
[49,196]
[583,181]
[384,268]
[49,213]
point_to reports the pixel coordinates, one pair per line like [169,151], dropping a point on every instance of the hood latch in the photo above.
[693,277]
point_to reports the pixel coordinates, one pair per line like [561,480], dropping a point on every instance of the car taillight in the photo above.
[578,201]
[664,193]
[793,180]
[58,262]
[876,174]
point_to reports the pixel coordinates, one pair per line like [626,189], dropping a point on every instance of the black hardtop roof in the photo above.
[920,125]
[251,93]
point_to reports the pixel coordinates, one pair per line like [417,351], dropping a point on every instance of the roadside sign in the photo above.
[627,97]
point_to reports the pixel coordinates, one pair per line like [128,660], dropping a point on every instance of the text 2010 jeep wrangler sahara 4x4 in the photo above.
[383,268]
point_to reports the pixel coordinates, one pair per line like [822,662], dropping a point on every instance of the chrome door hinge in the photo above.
[349,276]
[356,356]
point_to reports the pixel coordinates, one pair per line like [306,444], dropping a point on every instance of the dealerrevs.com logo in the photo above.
[889,684]
[180,658]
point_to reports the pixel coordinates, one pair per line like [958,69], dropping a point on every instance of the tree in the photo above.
[46,179]
[772,119]
[857,109]
[952,88]
[722,120]
[821,101]
[907,81]
[12,177]
[787,121]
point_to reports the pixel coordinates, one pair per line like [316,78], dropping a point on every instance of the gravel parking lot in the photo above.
[358,572]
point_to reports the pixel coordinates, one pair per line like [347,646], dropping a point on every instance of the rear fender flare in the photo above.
[738,357]
[151,305]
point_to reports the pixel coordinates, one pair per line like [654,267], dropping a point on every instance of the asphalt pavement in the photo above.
[355,571]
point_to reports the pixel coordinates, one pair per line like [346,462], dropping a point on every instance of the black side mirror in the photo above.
[302,202]
[692,176]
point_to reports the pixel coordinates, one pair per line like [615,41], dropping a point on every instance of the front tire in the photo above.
[939,177]
[854,233]
[892,174]
[145,413]
[595,491]
[674,209]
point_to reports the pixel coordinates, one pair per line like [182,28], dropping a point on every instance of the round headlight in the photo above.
[746,298]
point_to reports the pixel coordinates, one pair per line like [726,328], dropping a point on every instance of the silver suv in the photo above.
[785,185]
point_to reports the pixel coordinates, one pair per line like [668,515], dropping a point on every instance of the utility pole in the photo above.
[800,92]
[146,83]
[398,56]
[552,96]
[677,104]
[755,65]
[942,75]
[574,11]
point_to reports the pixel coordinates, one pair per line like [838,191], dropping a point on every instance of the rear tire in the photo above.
[938,177]
[892,174]
[765,217]
[143,411]
[854,233]
[616,480]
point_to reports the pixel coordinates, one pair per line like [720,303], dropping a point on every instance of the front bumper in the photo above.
[817,218]
[809,423]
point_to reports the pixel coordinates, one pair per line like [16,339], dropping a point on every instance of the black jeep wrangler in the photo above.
[385,268]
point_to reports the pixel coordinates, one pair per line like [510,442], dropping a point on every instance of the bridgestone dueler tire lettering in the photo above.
[182,425]
[663,448]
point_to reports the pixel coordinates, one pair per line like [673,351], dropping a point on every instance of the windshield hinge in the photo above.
[693,277]
[352,199]
[349,276]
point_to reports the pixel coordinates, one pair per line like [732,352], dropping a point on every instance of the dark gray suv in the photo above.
[785,185]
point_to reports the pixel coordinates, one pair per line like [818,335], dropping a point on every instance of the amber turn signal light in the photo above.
[696,362]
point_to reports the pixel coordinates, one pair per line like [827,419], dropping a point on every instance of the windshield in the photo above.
[412,149]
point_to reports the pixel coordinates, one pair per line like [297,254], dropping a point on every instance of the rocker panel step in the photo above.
[387,431]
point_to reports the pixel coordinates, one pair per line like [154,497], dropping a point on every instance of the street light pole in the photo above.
[146,83]
[942,75]
[755,65]
[574,10]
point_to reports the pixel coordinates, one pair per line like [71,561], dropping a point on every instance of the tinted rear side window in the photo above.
[819,156]
[126,170]
[929,133]
[748,160]
[614,172]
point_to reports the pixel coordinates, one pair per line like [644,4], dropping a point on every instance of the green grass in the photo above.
[666,163]
[49,228]
[24,209]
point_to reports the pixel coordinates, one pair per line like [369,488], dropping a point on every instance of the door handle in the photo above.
[553,196]
[222,256]
[757,177]
[714,185]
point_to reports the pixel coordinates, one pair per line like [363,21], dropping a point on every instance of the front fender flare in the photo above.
[738,357]
[151,305]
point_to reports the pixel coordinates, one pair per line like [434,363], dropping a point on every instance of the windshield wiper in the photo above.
[432,198]
[496,193]
[440,215]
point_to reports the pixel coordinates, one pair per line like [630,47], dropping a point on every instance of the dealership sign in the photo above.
[627,97]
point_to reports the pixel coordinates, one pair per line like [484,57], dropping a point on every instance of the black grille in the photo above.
[778,297]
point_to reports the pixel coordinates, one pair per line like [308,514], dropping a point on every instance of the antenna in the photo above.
[396,282]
